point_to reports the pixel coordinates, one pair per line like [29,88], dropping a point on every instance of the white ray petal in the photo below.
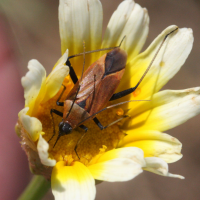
[118,165]
[32,125]
[32,83]
[166,110]
[43,148]
[72,182]
[54,80]
[80,21]
[132,21]
[154,144]
[167,63]
[159,166]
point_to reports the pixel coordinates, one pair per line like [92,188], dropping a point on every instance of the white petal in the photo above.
[121,169]
[31,124]
[80,21]
[56,77]
[32,83]
[62,60]
[129,20]
[72,182]
[23,112]
[133,153]
[118,165]
[43,148]
[96,22]
[159,166]
[169,60]
[154,144]
[167,110]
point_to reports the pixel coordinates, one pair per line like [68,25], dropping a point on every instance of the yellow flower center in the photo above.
[91,143]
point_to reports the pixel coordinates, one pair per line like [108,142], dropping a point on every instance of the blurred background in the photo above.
[29,29]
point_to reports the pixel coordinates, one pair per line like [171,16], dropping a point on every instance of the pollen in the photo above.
[92,143]
[120,112]
[136,92]
[103,149]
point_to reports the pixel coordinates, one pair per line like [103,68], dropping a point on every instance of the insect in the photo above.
[94,90]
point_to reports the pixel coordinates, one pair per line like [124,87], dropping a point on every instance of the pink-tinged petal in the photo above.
[72,182]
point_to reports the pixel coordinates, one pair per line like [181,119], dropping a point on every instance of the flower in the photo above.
[123,150]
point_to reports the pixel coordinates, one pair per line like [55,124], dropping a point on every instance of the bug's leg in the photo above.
[71,71]
[97,50]
[83,127]
[57,113]
[75,148]
[123,93]
[61,103]
[98,123]
[130,90]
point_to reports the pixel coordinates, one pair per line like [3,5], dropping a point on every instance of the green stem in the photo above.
[36,189]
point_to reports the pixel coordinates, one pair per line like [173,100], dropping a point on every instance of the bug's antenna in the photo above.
[148,68]
[83,61]
[75,149]
[56,140]
[122,41]
[80,80]
[97,50]
[114,105]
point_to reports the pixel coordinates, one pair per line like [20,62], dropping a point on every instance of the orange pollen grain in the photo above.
[120,112]
[136,92]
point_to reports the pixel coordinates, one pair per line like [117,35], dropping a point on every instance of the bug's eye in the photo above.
[66,128]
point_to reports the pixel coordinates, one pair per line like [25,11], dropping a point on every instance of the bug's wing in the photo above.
[100,81]
[115,63]
[91,76]
[104,91]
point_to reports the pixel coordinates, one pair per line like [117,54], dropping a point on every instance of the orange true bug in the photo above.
[94,89]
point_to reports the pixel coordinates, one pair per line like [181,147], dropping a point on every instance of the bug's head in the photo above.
[64,129]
